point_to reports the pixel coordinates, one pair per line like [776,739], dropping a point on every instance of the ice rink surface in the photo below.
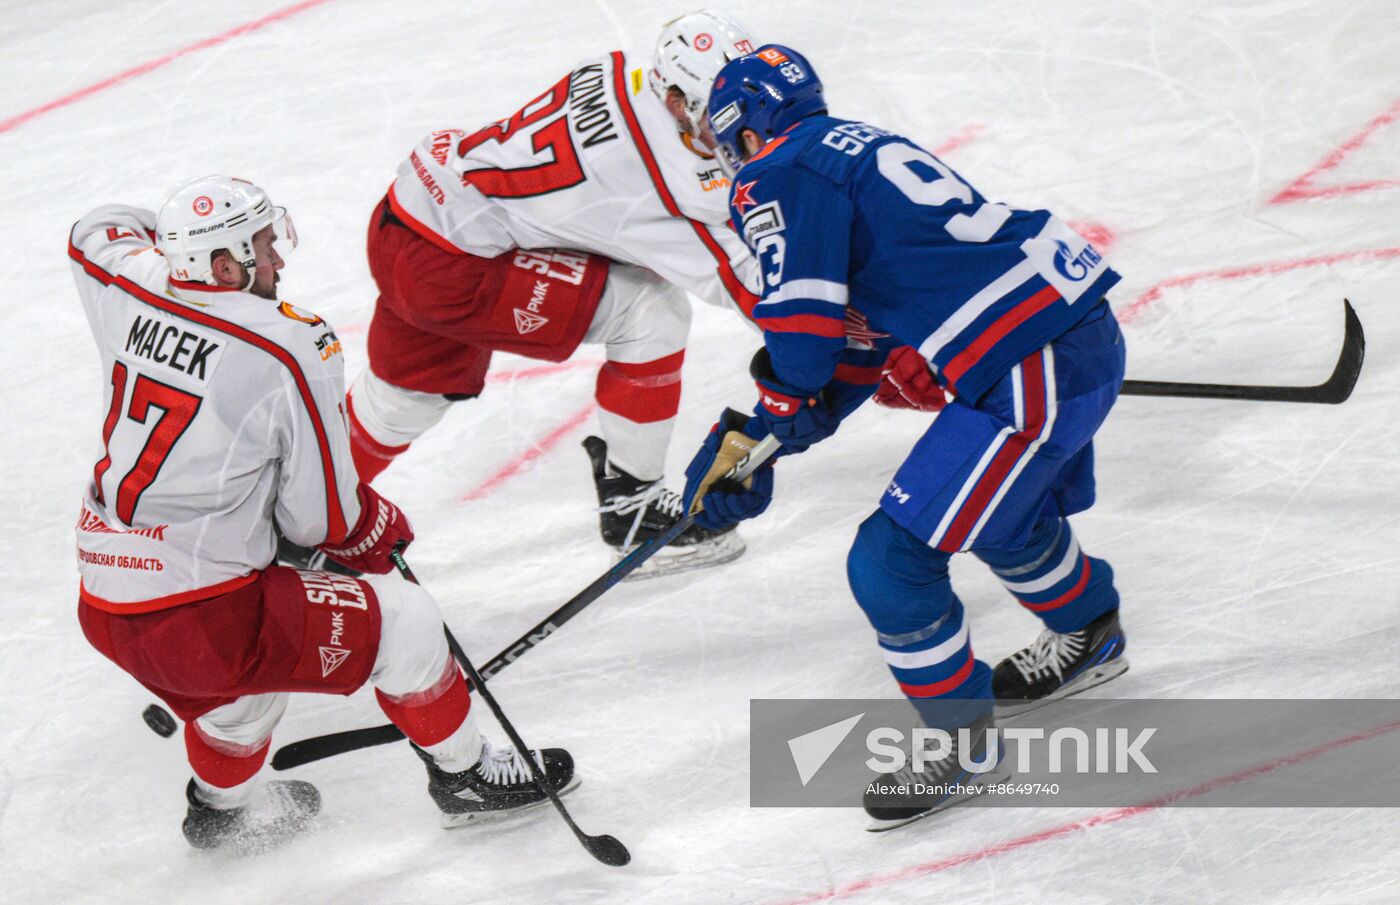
[1240,161]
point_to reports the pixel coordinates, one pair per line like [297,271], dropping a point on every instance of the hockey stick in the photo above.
[322,746]
[1335,390]
[607,849]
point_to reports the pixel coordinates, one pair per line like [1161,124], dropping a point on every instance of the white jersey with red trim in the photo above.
[595,163]
[223,412]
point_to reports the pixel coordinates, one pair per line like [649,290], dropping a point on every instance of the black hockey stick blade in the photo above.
[332,744]
[607,849]
[1334,391]
[322,746]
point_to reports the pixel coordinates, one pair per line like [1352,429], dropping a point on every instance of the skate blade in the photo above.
[487,818]
[1000,773]
[675,560]
[255,841]
[272,819]
[260,838]
[1089,678]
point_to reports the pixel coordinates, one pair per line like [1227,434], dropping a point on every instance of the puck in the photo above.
[160,720]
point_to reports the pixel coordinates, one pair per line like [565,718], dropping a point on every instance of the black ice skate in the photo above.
[631,511]
[895,799]
[279,810]
[500,781]
[299,557]
[1059,665]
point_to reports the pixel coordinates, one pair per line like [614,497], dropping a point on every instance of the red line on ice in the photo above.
[1065,829]
[537,449]
[1101,236]
[490,485]
[541,370]
[1251,270]
[1302,187]
[1332,191]
[958,139]
[237,31]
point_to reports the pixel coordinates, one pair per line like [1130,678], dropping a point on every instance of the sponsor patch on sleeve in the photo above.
[288,310]
[763,220]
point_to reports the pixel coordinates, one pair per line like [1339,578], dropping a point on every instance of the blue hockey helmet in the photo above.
[766,91]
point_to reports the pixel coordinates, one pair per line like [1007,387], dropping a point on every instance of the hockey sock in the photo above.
[638,403]
[370,456]
[1052,578]
[902,585]
[438,719]
[223,769]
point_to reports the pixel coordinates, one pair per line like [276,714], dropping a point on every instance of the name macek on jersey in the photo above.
[175,346]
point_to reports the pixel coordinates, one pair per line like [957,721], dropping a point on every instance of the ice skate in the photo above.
[279,810]
[500,782]
[1058,665]
[895,799]
[631,511]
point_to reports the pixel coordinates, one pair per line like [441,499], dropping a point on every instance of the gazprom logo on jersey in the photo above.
[1073,266]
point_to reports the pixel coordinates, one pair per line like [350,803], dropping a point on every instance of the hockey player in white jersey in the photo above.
[584,217]
[224,425]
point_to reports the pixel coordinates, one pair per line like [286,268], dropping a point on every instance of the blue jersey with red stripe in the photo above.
[866,240]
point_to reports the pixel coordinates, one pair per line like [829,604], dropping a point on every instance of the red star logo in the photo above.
[742,197]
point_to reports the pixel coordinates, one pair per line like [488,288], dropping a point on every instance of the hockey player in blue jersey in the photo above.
[869,242]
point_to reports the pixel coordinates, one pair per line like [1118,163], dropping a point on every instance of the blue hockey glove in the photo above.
[796,418]
[717,501]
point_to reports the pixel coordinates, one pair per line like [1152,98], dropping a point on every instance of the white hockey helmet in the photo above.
[217,212]
[691,51]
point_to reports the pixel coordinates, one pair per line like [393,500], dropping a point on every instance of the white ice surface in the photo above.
[1255,545]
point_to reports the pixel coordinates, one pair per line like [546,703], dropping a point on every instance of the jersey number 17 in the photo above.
[177,410]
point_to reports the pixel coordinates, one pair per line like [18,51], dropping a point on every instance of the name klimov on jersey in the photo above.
[595,163]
